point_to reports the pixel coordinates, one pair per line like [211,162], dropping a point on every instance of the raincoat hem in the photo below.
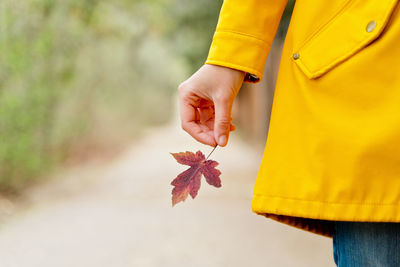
[317,216]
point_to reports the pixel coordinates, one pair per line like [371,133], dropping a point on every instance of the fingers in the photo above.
[200,124]
[222,122]
[189,123]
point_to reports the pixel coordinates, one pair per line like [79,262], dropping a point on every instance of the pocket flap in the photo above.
[356,25]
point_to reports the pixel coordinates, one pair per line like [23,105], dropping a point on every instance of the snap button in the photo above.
[371,26]
[296,56]
[251,77]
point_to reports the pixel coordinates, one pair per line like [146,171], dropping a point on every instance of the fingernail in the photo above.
[222,140]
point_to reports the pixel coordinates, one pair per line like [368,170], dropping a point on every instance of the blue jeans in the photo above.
[365,244]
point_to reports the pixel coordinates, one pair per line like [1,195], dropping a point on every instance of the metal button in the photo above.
[296,56]
[371,26]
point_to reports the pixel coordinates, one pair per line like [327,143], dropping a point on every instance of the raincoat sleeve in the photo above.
[244,34]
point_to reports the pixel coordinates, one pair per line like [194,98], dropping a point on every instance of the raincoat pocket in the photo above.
[358,24]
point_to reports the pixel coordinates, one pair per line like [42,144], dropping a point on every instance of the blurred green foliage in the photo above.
[193,28]
[79,71]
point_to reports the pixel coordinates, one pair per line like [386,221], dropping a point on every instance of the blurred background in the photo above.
[88,117]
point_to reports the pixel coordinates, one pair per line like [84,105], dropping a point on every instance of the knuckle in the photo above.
[224,122]
[184,126]
[183,86]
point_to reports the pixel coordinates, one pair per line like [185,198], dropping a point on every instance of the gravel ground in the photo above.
[119,213]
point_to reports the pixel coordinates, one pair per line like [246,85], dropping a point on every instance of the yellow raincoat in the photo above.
[333,147]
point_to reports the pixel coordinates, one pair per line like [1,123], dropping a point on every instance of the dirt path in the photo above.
[119,214]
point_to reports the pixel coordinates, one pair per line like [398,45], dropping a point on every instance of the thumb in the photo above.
[222,121]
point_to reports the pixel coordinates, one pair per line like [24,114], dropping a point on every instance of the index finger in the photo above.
[189,122]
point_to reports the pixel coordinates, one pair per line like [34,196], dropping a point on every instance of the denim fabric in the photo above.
[365,244]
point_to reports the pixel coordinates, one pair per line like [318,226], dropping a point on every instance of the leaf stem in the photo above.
[211,151]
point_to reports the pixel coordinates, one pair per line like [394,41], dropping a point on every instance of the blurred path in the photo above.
[119,214]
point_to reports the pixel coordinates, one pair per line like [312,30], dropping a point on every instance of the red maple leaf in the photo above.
[188,182]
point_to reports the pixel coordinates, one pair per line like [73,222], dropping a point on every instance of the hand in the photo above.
[205,103]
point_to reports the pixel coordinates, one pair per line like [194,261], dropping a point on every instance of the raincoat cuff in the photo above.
[239,51]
